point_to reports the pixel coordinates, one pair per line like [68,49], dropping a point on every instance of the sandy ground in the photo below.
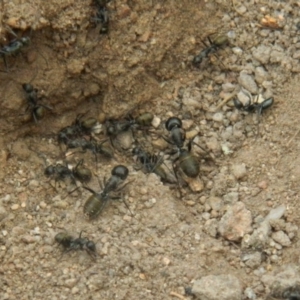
[143,64]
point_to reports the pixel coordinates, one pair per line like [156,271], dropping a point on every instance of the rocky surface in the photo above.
[239,217]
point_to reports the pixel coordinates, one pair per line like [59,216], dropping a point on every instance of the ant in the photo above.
[96,203]
[78,128]
[185,160]
[37,109]
[258,104]
[152,164]
[211,48]
[289,293]
[13,47]
[177,134]
[102,16]
[93,146]
[70,243]
[60,172]
[115,127]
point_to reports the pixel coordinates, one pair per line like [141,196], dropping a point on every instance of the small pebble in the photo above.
[75,290]
[247,82]
[156,122]
[281,238]
[262,54]
[166,261]
[15,206]
[34,183]
[187,124]
[239,171]
[43,204]
[241,9]
[218,117]
[250,294]
[3,213]
[191,134]
[263,184]
[143,190]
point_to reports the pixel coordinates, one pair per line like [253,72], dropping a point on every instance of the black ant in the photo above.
[152,164]
[115,127]
[257,104]
[185,160]
[70,243]
[37,109]
[60,172]
[102,16]
[96,148]
[96,203]
[288,293]
[77,129]
[211,48]
[13,47]
[177,134]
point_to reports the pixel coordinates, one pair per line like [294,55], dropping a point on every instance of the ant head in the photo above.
[173,122]
[25,40]
[91,246]
[27,87]
[120,171]
[136,151]
[50,170]
[238,104]
[111,130]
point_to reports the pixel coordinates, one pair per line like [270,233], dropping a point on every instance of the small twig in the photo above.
[229,97]
[177,295]
[288,143]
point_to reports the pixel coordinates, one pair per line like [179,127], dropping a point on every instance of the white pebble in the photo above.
[15,206]
[156,122]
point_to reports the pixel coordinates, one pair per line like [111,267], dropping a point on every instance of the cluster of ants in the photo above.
[80,134]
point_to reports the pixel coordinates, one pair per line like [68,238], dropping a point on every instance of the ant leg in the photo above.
[124,185]
[91,253]
[90,190]
[168,179]
[46,106]
[167,140]
[210,41]
[127,206]
[175,168]
[11,31]
[77,187]
[100,183]
[217,57]
[190,145]
[205,44]
[34,117]
[159,161]
[5,63]
[59,259]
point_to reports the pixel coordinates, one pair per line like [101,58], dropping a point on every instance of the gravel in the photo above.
[238,216]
